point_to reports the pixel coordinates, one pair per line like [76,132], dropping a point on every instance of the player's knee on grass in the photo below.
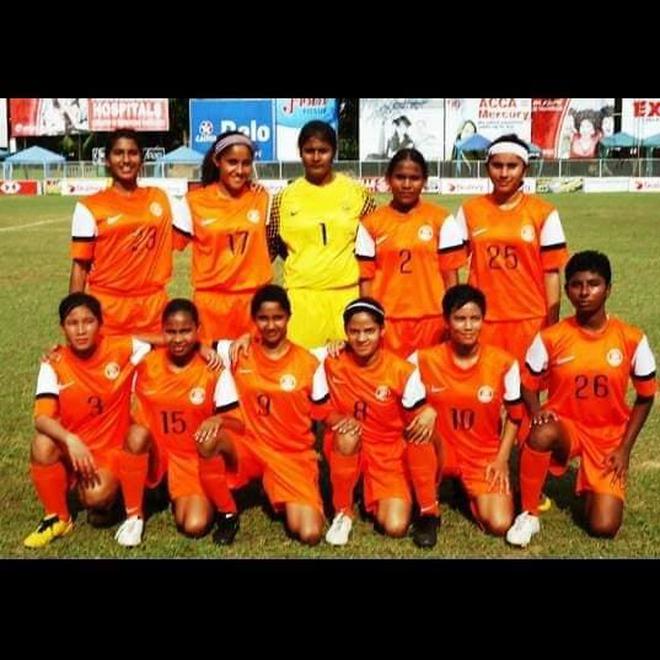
[44,450]
[101,494]
[393,516]
[604,521]
[194,525]
[347,444]
[138,439]
[497,523]
[310,527]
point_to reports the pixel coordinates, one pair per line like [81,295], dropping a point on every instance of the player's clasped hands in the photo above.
[544,417]
[81,458]
[617,463]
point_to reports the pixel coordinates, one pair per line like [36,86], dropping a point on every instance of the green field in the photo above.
[34,270]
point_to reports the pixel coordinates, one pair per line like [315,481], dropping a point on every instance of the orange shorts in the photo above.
[223,315]
[592,446]
[182,472]
[405,336]
[287,477]
[130,315]
[382,469]
[512,336]
[471,471]
[384,474]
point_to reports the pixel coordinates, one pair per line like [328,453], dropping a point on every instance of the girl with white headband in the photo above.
[378,407]
[517,247]
[225,220]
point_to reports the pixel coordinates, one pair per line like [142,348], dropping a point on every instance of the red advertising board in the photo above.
[63,116]
[15,187]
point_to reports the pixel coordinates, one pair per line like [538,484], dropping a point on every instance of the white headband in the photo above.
[365,305]
[231,140]
[510,148]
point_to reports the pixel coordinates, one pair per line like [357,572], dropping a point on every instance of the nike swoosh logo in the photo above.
[207,221]
[114,218]
[294,212]
[245,371]
[436,390]
[381,239]
[568,358]
[476,232]
[148,392]
[337,380]
[66,386]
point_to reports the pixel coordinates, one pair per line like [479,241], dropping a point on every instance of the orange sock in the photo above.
[214,481]
[132,475]
[50,482]
[533,470]
[422,465]
[344,474]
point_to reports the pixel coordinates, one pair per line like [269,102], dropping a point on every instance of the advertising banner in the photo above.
[640,117]
[648,184]
[490,117]
[387,125]
[65,116]
[4,142]
[571,128]
[253,117]
[16,187]
[292,114]
[138,114]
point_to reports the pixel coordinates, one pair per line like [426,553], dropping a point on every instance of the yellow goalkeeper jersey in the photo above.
[318,226]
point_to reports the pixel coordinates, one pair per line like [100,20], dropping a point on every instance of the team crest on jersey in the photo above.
[485,394]
[156,209]
[382,393]
[614,357]
[425,233]
[528,233]
[111,370]
[197,396]
[253,216]
[288,382]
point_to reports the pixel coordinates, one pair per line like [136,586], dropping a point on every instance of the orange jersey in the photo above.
[406,251]
[128,239]
[509,253]
[172,404]
[230,251]
[587,372]
[91,398]
[376,395]
[469,401]
[280,398]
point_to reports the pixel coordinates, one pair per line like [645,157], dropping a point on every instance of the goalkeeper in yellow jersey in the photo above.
[313,225]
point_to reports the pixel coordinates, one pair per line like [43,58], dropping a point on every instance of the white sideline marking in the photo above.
[33,224]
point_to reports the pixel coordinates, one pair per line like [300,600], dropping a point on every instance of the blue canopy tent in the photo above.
[617,141]
[475,144]
[652,142]
[31,156]
[181,156]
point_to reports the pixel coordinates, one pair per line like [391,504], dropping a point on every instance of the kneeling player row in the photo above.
[400,424]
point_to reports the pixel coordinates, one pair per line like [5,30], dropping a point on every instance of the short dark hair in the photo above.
[80,299]
[320,130]
[270,293]
[118,134]
[589,260]
[461,294]
[407,154]
[180,305]
[367,305]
